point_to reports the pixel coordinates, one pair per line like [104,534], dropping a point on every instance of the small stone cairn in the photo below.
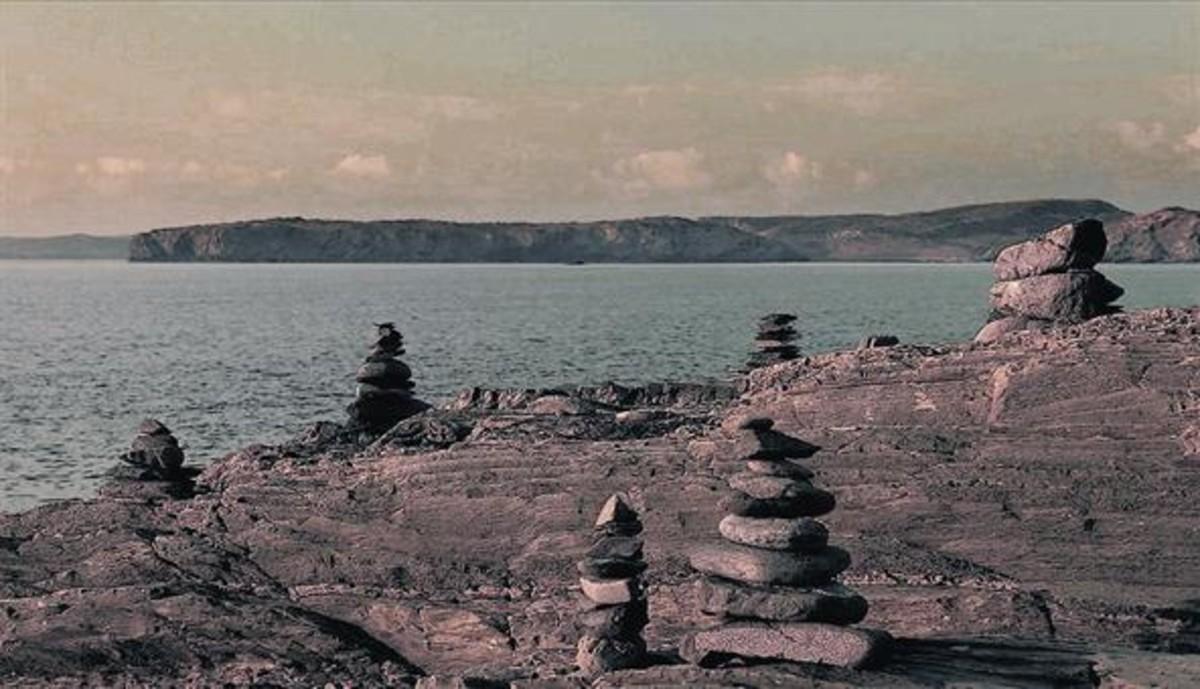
[152,468]
[384,384]
[613,609]
[770,583]
[1050,280]
[773,343]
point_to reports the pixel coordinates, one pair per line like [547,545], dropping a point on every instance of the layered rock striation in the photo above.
[1050,280]
[771,580]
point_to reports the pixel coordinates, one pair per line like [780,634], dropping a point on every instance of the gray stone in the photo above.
[595,655]
[760,566]
[622,621]
[385,373]
[610,568]
[1078,245]
[1073,296]
[616,510]
[803,534]
[610,591]
[999,328]
[628,547]
[812,502]
[832,603]
[769,487]
[800,642]
[780,467]
[770,444]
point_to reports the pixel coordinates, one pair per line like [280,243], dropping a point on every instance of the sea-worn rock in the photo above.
[1073,246]
[760,566]
[832,603]
[808,501]
[824,644]
[803,534]
[1072,297]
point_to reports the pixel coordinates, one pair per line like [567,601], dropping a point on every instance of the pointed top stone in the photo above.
[616,510]
[756,423]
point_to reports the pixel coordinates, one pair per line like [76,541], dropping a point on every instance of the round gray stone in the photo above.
[759,566]
[832,603]
[803,534]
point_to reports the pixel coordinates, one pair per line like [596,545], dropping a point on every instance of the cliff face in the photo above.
[967,233]
[1169,235]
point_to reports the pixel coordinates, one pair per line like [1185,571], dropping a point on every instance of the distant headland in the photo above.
[957,234]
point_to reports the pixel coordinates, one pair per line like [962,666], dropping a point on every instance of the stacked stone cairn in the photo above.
[769,584]
[384,384]
[773,343]
[1050,280]
[613,609]
[152,468]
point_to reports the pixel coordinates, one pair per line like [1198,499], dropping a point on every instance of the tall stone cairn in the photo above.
[773,343]
[1050,280]
[613,608]
[769,584]
[384,384]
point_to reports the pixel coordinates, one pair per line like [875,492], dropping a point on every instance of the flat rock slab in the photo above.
[804,534]
[610,591]
[824,644]
[768,487]
[832,603]
[758,566]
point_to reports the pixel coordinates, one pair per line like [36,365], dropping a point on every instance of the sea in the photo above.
[231,354]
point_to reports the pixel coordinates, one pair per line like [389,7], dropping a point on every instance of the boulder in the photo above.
[1001,327]
[1073,246]
[623,621]
[595,655]
[1073,296]
[769,487]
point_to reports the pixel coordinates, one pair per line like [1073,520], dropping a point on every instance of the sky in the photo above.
[118,118]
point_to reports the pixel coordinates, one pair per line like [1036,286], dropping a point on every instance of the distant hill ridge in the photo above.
[962,233]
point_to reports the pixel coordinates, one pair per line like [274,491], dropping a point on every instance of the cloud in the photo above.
[792,170]
[862,93]
[452,107]
[8,166]
[228,173]
[365,166]
[1192,141]
[231,106]
[1139,137]
[865,179]
[663,170]
[113,166]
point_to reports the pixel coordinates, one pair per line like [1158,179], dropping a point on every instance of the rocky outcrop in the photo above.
[965,233]
[1168,235]
[1049,280]
[1021,514]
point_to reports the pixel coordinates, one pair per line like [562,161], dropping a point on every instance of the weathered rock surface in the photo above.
[1072,297]
[1033,498]
[832,603]
[803,534]
[824,644]
[1074,246]
[756,565]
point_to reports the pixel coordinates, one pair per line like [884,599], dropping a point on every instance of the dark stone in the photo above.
[625,620]
[386,374]
[802,535]
[798,642]
[759,566]
[628,547]
[595,655]
[813,502]
[610,568]
[878,341]
[832,603]
[780,467]
[770,444]
[1073,246]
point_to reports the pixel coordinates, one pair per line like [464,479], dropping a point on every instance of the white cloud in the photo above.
[1139,137]
[454,107]
[366,166]
[666,170]
[865,179]
[7,165]
[115,166]
[229,105]
[229,173]
[863,93]
[1192,140]
[792,170]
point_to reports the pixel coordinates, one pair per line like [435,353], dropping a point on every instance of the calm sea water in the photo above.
[232,354]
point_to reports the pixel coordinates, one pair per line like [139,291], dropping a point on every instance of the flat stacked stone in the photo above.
[1050,280]
[770,583]
[773,343]
[613,609]
[385,386]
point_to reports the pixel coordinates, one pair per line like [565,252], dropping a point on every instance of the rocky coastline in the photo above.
[1019,512]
